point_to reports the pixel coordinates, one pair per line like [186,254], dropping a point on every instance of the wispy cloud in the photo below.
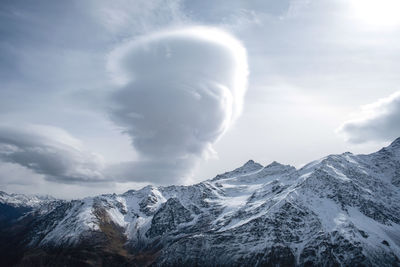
[124,18]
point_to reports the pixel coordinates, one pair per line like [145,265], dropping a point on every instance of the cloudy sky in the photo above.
[105,96]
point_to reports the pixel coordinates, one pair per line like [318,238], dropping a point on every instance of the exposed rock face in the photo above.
[168,218]
[342,210]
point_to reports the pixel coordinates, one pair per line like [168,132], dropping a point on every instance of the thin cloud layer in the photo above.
[49,151]
[178,92]
[379,121]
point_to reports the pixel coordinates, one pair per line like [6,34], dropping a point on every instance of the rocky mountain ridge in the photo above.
[341,210]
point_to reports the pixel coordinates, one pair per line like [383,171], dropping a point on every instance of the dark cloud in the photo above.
[379,121]
[179,92]
[49,151]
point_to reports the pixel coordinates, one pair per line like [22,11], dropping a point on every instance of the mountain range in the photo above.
[341,210]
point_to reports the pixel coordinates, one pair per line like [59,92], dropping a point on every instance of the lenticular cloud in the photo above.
[178,92]
[50,151]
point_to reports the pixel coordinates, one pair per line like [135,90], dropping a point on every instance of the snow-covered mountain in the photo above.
[342,210]
[20,200]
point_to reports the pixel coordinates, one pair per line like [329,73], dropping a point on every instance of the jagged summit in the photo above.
[277,165]
[250,165]
[392,150]
[274,164]
[395,144]
[276,168]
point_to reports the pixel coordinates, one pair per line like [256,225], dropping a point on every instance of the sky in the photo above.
[107,96]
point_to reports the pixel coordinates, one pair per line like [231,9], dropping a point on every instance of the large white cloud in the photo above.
[379,121]
[178,92]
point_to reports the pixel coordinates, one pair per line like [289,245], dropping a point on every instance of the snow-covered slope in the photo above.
[340,210]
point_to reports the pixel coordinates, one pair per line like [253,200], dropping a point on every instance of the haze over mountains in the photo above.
[339,210]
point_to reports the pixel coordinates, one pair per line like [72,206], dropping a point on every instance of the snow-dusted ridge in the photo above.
[339,210]
[20,200]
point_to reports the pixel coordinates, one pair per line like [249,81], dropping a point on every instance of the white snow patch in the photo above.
[339,174]
[117,217]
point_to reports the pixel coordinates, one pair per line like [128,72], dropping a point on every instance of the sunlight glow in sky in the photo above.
[377,12]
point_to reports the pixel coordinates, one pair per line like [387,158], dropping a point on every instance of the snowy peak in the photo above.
[276,167]
[395,144]
[394,147]
[249,167]
[20,200]
[392,150]
[275,164]
[251,164]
